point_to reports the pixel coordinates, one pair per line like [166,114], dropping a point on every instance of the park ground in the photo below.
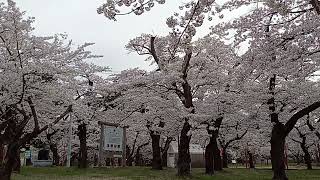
[137,173]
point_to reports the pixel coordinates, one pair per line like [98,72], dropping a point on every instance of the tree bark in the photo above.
[216,155]
[10,161]
[82,134]
[164,151]
[307,159]
[304,147]
[53,147]
[212,149]
[277,151]
[1,153]
[184,159]
[278,136]
[129,156]
[298,160]
[156,151]
[209,157]
[55,154]
[164,159]
[224,159]
[138,158]
[251,160]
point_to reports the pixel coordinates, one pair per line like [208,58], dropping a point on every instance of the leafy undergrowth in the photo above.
[136,173]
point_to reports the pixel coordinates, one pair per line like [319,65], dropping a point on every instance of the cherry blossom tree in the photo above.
[280,43]
[282,55]
[37,80]
[304,138]
[144,107]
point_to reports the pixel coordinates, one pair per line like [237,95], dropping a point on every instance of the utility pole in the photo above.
[69,141]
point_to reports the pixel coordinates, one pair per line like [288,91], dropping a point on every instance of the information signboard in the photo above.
[112,144]
[113,138]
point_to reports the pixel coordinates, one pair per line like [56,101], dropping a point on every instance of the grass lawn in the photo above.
[135,173]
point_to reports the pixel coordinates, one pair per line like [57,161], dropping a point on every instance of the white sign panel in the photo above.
[113,138]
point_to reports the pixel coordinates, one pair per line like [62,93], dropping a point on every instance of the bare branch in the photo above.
[34,114]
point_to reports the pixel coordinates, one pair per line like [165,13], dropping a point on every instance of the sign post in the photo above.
[112,142]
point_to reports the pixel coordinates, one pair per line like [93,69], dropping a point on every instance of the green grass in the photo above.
[136,173]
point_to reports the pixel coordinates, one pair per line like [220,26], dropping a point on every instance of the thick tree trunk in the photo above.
[55,154]
[307,157]
[251,160]
[224,159]
[209,157]
[10,161]
[17,162]
[82,133]
[184,159]
[277,152]
[212,152]
[216,156]
[156,152]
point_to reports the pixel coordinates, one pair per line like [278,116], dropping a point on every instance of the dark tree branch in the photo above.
[153,52]
[34,114]
[134,144]
[293,120]
[313,129]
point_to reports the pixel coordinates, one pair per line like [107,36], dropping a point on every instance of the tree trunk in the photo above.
[209,157]
[1,153]
[307,157]
[224,158]
[17,162]
[55,154]
[216,155]
[164,158]
[164,151]
[138,159]
[156,152]
[82,133]
[10,161]
[251,161]
[129,161]
[184,159]
[278,138]
[318,154]
[298,160]
[129,156]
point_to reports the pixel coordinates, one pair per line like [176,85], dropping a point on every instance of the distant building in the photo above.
[196,153]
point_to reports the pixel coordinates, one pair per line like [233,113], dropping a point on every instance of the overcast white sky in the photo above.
[78,18]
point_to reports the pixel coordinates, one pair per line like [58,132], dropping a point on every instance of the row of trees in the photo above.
[42,81]
[212,80]
[208,88]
